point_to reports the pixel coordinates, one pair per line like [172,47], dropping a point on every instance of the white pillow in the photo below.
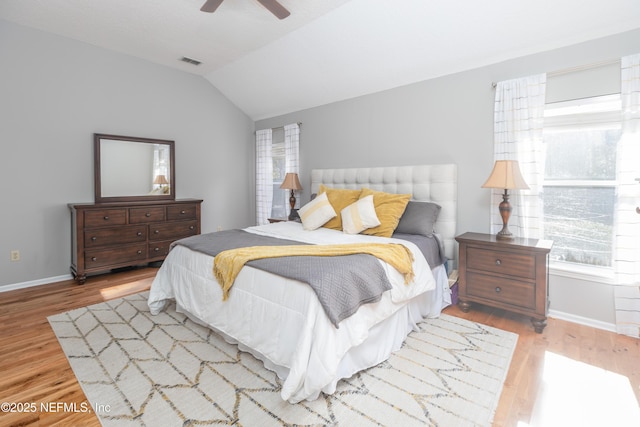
[317,212]
[359,216]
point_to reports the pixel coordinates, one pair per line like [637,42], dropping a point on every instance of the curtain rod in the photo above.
[575,69]
[282,127]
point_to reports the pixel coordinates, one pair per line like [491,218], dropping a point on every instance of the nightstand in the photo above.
[509,274]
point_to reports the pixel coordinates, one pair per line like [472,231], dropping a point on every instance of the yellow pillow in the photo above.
[389,208]
[339,198]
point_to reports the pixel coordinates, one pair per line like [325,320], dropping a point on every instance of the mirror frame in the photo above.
[98,137]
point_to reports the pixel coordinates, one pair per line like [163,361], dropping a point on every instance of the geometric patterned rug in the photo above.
[165,370]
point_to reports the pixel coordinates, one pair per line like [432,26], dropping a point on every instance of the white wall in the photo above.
[55,93]
[448,119]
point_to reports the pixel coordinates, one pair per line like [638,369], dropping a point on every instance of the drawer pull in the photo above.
[106,217]
[94,258]
[139,252]
[191,227]
[183,212]
[498,262]
[156,249]
[156,231]
[139,233]
[94,238]
[498,289]
[147,214]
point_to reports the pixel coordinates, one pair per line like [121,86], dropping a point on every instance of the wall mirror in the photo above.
[133,169]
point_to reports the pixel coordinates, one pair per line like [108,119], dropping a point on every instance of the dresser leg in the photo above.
[539,324]
[464,306]
[81,279]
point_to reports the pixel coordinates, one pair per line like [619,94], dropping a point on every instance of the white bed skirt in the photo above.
[283,324]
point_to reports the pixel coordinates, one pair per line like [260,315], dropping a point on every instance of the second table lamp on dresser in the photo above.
[291,182]
[505,176]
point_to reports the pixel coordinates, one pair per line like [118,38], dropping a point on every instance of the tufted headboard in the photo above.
[435,183]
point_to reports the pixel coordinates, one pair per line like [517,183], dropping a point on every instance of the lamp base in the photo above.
[505,213]
[504,234]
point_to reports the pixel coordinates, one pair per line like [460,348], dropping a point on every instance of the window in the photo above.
[579,189]
[280,196]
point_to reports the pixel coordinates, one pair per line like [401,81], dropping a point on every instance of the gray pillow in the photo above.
[419,218]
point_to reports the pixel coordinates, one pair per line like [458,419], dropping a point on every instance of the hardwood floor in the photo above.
[34,370]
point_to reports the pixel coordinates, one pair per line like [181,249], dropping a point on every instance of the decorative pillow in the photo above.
[419,218]
[317,212]
[339,198]
[359,216]
[389,208]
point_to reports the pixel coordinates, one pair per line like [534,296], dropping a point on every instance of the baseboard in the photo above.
[611,327]
[38,282]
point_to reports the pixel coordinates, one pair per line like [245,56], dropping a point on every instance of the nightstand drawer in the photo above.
[512,264]
[512,292]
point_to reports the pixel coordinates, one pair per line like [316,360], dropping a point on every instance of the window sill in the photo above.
[582,272]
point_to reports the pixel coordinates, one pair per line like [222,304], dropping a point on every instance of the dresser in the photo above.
[509,274]
[105,236]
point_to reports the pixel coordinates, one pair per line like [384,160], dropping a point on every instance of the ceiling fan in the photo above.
[273,6]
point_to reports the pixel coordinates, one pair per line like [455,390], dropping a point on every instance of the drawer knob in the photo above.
[156,249]
[139,233]
[94,238]
[156,231]
[183,212]
[498,289]
[139,252]
[106,217]
[191,227]
[498,262]
[147,214]
[94,258]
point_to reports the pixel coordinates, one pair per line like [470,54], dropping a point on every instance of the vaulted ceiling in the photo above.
[326,50]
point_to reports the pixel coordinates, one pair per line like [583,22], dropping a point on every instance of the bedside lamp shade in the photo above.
[505,175]
[291,182]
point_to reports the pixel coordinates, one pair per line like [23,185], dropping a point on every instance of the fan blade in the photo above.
[210,6]
[276,8]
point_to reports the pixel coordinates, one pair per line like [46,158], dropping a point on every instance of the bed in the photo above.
[281,321]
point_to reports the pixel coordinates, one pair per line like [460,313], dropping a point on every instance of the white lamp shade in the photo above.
[506,175]
[291,182]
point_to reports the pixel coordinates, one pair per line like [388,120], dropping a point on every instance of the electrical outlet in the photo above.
[15,255]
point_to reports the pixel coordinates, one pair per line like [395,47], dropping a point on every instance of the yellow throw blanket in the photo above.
[227,264]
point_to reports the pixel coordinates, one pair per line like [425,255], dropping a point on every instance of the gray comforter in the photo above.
[342,283]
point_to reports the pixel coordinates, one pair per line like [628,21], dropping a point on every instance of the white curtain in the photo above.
[264,176]
[518,125]
[292,150]
[627,220]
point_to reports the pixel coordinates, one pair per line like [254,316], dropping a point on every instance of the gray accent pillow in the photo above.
[419,218]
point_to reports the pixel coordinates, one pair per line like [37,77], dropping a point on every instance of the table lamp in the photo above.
[291,182]
[505,175]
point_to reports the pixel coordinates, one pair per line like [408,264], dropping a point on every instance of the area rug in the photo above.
[165,370]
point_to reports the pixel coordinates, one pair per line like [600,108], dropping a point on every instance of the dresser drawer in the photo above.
[159,249]
[172,230]
[186,211]
[512,292]
[146,215]
[115,235]
[105,217]
[513,264]
[114,256]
